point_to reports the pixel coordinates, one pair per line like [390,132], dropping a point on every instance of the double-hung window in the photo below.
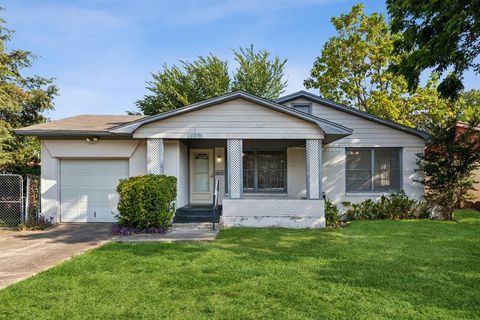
[264,171]
[373,169]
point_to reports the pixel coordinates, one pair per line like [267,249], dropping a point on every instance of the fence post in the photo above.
[27,201]
[39,198]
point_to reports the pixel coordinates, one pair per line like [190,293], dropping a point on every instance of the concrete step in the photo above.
[199,225]
[193,218]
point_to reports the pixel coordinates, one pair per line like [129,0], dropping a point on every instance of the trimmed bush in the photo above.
[147,201]
[331,214]
[395,206]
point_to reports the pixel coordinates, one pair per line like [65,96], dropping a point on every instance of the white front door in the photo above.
[201,176]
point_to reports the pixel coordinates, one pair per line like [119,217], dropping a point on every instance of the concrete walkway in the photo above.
[25,253]
[178,232]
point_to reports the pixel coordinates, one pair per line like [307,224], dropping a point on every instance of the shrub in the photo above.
[395,206]
[147,201]
[331,213]
[35,225]
[448,165]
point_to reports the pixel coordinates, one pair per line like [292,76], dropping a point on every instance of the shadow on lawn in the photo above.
[417,263]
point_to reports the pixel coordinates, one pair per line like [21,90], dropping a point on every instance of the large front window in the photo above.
[373,170]
[264,171]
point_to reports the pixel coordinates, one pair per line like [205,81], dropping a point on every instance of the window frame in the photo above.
[373,172]
[303,104]
[255,170]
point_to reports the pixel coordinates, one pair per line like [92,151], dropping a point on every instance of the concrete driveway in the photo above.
[25,253]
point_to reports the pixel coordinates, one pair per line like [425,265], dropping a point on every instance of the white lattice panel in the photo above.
[235,168]
[155,156]
[314,168]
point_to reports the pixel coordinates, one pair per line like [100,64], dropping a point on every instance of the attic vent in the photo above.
[303,107]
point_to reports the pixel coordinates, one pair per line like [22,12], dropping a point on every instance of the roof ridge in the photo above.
[341,107]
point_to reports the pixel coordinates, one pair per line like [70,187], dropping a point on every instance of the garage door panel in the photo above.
[106,182]
[113,166]
[75,166]
[88,189]
[76,182]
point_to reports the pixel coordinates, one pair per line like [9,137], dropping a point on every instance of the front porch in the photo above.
[263,182]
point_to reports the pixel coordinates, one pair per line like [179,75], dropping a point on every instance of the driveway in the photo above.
[25,253]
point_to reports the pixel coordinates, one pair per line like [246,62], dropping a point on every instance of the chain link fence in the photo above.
[19,199]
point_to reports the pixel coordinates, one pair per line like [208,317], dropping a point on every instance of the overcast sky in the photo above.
[101,52]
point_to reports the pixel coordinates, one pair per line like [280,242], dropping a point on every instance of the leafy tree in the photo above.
[22,101]
[470,101]
[353,69]
[208,77]
[448,164]
[443,35]
[176,87]
[259,75]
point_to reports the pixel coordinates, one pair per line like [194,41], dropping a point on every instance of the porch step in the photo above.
[194,214]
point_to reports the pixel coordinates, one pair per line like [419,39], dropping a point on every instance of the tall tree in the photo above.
[353,69]
[23,99]
[448,164]
[178,86]
[258,74]
[208,77]
[443,35]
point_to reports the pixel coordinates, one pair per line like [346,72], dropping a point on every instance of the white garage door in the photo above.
[88,189]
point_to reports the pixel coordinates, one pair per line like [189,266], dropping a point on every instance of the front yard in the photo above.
[370,269]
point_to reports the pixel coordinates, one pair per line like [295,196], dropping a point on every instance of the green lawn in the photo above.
[370,269]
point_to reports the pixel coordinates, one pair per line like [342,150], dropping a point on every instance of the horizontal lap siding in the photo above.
[366,133]
[234,119]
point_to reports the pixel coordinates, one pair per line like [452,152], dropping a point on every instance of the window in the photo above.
[264,171]
[373,170]
[303,107]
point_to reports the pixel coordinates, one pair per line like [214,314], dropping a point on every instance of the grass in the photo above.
[368,270]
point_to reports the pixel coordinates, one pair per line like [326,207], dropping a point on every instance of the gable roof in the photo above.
[362,114]
[333,130]
[78,125]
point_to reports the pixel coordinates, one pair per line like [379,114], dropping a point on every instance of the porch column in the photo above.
[155,156]
[235,168]
[313,154]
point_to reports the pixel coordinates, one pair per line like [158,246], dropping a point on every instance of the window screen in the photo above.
[370,170]
[264,171]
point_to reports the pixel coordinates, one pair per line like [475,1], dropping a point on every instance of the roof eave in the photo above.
[325,125]
[64,133]
[310,96]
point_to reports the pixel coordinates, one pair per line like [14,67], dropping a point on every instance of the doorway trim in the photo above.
[201,197]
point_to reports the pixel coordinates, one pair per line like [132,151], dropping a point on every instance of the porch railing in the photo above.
[215,203]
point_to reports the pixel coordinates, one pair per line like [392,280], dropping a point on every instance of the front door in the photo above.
[201,176]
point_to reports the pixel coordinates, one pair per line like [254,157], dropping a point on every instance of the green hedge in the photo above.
[394,206]
[331,214]
[147,201]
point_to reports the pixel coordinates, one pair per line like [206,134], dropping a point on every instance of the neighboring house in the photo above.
[476,174]
[274,159]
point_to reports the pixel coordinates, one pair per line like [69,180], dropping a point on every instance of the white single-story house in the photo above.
[275,160]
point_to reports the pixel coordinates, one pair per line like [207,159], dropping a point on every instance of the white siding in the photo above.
[182,186]
[235,119]
[137,162]
[176,158]
[49,185]
[296,173]
[366,133]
